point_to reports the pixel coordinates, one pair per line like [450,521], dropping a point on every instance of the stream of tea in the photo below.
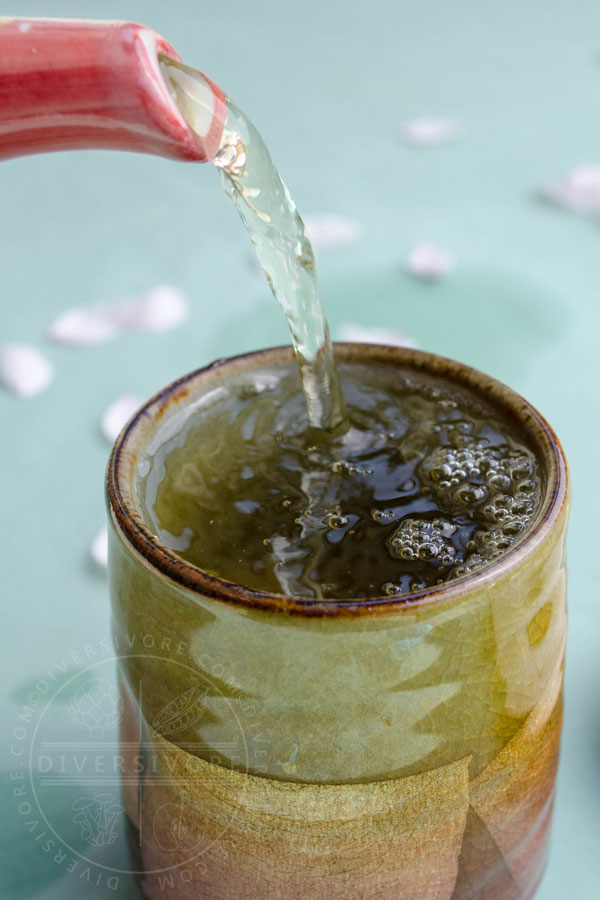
[279,238]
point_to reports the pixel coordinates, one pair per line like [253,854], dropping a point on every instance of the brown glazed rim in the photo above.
[132,529]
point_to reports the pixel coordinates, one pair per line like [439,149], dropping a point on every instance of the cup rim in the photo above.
[132,529]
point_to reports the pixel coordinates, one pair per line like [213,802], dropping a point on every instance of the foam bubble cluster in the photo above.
[422,539]
[476,476]
[496,487]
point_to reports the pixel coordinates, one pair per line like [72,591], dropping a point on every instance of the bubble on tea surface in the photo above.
[494,486]
[384,516]
[466,477]
[336,520]
[347,467]
[425,540]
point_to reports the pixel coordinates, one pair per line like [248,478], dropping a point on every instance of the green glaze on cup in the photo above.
[296,748]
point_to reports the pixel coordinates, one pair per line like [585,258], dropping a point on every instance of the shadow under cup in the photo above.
[294,748]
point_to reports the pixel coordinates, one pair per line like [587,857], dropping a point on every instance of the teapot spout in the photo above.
[70,84]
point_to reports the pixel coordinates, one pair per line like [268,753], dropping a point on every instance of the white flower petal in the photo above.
[81,326]
[99,548]
[579,191]
[328,230]
[117,414]
[23,369]
[159,309]
[428,261]
[361,335]
[429,132]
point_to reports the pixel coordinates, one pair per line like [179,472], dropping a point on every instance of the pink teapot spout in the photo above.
[70,84]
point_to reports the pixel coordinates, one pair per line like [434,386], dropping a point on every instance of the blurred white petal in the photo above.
[579,191]
[99,548]
[23,369]
[117,414]
[159,309]
[360,335]
[81,326]
[328,230]
[429,132]
[428,261]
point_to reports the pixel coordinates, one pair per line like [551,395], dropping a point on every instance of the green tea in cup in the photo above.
[426,484]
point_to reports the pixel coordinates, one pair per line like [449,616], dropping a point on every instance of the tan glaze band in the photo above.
[210,833]
[126,517]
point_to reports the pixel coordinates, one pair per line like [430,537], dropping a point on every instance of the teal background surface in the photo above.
[329,84]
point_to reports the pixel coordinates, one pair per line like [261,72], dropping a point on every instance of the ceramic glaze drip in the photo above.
[278,235]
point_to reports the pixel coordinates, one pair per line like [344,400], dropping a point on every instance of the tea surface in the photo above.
[426,485]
